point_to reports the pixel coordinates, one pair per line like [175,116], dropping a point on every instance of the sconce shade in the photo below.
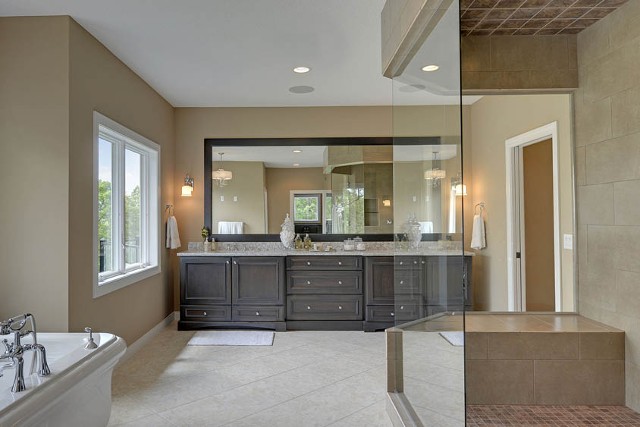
[386,202]
[460,189]
[187,190]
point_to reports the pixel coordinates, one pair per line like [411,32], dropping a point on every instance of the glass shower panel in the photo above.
[429,264]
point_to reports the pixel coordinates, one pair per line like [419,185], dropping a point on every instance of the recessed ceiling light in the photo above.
[297,151]
[430,68]
[296,164]
[301,70]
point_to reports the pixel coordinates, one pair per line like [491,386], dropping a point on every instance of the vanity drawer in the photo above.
[409,262]
[324,262]
[324,307]
[324,282]
[206,312]
[398,313]
[258,313]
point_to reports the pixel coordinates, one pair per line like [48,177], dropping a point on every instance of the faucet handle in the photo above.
[7,347]
[91,344]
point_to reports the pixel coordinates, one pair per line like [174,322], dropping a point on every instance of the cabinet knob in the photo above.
[204,313]
[392,314]
[339,307]
[422,262]
[308,262]
[339,262]
[308,307]
[227,262]
[308,282]
[415,262]
[401,262]
[402,307]
[402,282]
[235,263]
[257,313]
[339,282]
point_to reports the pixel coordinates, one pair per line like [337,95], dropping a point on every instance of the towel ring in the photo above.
[169,208]
[475,208]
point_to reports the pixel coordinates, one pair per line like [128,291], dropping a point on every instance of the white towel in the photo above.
[173,238]
[478,238]
[230,227]
[426,226]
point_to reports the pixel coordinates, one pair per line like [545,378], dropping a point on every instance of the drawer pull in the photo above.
[308,282]
[235,262]
[227,262]
[257,313]
[415,262]
[308,262]
[422,262]
[204,313]
[392,314]
[402,282]
[402,307]
[339,262]
[339,282]
[339,307]
[308,307]
[401,262]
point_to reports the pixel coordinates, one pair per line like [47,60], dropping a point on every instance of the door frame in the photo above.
[517,296]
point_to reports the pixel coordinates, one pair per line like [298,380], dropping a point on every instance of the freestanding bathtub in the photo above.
[78,391]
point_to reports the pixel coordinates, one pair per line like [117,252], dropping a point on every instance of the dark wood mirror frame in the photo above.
[211,143]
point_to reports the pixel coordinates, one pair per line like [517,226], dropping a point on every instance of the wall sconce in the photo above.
[460,189]
[386,202]
[187,188]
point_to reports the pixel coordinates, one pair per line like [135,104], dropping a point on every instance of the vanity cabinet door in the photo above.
[448,284]
[258,280]
[379,279]
[205,280]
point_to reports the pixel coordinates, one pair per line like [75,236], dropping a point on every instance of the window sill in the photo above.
[118,282]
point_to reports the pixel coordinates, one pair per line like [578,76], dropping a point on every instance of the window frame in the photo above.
[123,139]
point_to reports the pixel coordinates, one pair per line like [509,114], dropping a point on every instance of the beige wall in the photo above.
[494,119]
[280,182]
[248,186]
[100,81]
[608,178]
[34,172]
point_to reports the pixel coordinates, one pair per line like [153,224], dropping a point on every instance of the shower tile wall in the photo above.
[607,108]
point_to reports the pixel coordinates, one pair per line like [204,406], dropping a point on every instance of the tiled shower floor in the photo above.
[530,415]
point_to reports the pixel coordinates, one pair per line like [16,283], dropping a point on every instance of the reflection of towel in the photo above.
[230,227]
[478,238]
[173,238]
[426,226]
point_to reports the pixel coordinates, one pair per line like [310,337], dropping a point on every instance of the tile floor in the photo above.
[560,416]
[305,379]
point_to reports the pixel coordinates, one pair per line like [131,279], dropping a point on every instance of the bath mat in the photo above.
[232,338]
[456,338]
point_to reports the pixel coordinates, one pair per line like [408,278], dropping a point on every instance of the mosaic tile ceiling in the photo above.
[532,17]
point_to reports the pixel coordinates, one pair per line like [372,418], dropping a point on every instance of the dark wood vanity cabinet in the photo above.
[405,288]
[232,292]
[324,292]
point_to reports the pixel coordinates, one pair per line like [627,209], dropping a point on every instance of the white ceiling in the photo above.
[239,53]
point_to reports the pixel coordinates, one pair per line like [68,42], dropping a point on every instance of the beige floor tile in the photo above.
[372,416]
[148,421]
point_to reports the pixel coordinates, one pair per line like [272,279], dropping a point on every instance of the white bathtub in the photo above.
[78,391]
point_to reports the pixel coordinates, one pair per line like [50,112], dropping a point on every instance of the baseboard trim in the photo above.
[143,340]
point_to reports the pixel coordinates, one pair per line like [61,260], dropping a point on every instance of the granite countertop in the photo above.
[281,251]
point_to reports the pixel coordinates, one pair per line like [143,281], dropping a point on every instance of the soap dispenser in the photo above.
[298,242]
[307,241]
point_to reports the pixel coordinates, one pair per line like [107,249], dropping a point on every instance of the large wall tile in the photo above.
[614,160]
[613,73]
[582,382]
[580,165]
[593,120]
[627,202]
[599,345]
[530,345]
[632,384]
[628,293]
[499,382]
[625,112]
[624,24]
[596,204]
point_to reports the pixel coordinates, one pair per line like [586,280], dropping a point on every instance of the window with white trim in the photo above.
[126,206]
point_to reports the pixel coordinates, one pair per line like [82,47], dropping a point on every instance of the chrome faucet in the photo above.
[14,352]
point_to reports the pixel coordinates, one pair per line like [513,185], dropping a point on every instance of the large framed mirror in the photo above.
[332,188]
